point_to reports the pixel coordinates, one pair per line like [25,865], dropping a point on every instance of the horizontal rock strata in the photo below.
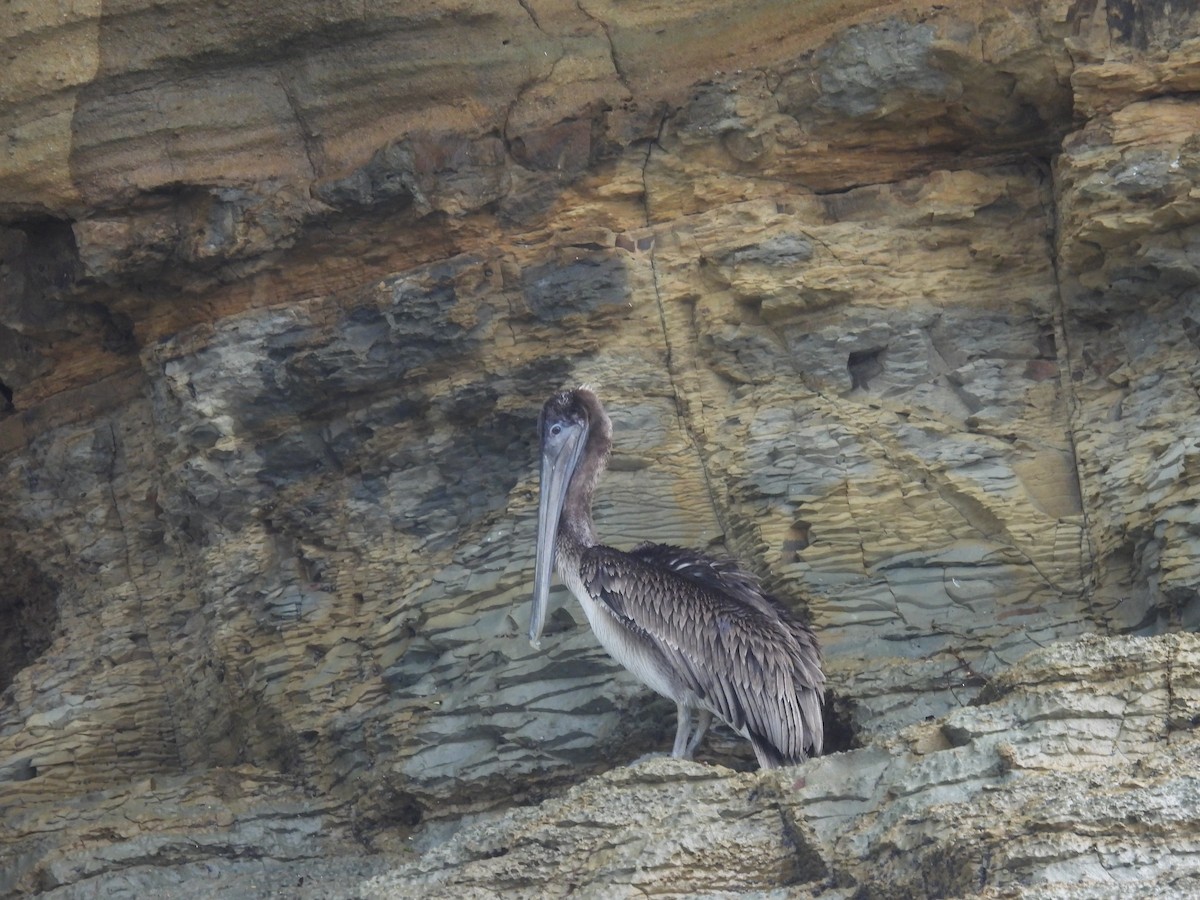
[898,304]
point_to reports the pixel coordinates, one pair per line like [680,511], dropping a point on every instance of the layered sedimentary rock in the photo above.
[899,305]
[1052,780]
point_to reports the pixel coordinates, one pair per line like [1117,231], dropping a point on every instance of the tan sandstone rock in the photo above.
[897,303]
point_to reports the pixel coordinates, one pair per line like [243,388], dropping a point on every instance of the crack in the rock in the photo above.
[522,91]
[1169,683]
[532,15]
[1088,560]
[1087,563]
[650,145]
[612,47]
[685,423]
[308,135]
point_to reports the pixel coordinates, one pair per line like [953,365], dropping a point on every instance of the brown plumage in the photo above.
[698,630]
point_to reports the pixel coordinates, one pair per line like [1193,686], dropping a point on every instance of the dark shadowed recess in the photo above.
[28,611]
[40,258]
[650,725]
[39,263]
[1143,23]
[40,278]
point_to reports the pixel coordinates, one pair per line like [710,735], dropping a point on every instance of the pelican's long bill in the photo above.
[562,446]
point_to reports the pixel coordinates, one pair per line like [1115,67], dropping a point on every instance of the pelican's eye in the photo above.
[556,429]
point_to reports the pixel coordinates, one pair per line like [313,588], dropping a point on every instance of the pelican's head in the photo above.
[575,435]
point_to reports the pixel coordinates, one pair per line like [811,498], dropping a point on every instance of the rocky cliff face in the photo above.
[901,305]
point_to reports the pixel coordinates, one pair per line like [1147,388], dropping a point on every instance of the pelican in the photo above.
[699,631]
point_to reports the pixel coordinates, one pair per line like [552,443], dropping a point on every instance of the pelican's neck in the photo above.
[576,531]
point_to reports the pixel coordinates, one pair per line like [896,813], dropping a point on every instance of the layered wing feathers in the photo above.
[737,648]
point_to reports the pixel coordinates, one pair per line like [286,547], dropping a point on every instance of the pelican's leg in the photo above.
[682,727]
[702,724]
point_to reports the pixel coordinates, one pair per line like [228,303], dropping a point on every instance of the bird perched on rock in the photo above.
[698,630]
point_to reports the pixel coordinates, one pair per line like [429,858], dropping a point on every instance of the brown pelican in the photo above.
[697,630]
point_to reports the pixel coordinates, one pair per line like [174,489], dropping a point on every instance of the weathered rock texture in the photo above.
[1081,769]
[900,304]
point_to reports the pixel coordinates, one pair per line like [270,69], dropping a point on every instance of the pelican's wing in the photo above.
[737,648]
[726,575]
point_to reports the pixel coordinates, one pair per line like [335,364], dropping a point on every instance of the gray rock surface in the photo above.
[898,305]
